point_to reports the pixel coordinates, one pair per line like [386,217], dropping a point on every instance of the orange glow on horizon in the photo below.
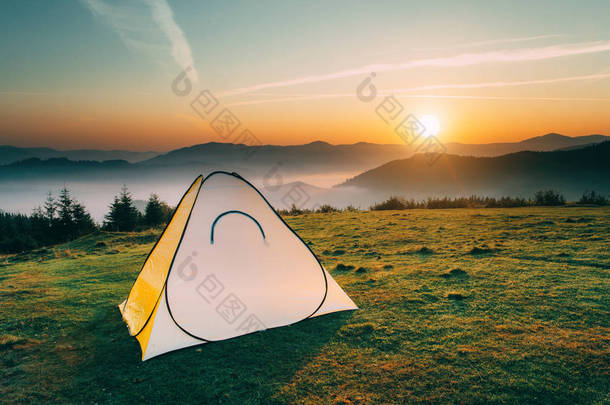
[145,124]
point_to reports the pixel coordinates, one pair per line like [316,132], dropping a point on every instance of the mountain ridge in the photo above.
[204,152]
[543,143]
[518,173]
[10,154]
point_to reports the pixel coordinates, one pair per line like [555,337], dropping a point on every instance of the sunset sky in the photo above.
[98,73]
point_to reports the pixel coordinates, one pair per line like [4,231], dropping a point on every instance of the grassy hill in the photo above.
[456,306]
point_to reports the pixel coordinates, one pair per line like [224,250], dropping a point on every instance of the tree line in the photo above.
[61,219]
[123,215]
[542,198]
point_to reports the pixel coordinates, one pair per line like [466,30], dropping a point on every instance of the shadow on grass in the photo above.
[247,369]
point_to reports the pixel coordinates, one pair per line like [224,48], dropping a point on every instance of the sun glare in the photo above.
[431,123]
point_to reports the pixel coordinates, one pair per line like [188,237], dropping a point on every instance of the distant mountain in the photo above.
[62,167]
[324,156]
[10,154]
[295,162]
[312,157]
[577,147]
[64,162]
[544,143]
[300,174]
[521,174]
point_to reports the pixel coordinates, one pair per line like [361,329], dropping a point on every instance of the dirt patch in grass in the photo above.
[455,273]
[456,296]
[580,220]
[543,223]
[344,267]
[481,250]
[423,250]
[336,252]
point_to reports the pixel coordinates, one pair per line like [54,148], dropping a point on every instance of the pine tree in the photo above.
[154,214]
[41,227]
[549,197]
[167,212]
[112,219]
[123,215]
[83,223]
[65,221]
[49,208]
[59,221]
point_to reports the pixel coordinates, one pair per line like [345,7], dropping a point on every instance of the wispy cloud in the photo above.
[504,83]
[181,51]
[499,41]
[466,59]
[472,44]
[515,98]
[275,97]
[303,97]
[136,25]
[440,96]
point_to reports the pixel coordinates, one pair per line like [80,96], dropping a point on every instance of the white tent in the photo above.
[226,265]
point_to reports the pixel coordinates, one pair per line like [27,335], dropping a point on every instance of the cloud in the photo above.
[504,84]
[474,44]
[466,59]
[509,40]
[516,98]
[145,29]
[402,92]
[181,51]
[440,96]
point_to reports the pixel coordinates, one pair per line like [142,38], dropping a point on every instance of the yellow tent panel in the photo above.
[147,289]
[144,336]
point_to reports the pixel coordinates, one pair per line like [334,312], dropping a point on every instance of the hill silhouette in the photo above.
[316,156]
[521,173]
[544,143]
[10,154]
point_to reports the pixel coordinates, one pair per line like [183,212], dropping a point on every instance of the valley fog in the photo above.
[305,191]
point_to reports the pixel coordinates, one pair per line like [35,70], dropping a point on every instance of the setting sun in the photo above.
[431,123]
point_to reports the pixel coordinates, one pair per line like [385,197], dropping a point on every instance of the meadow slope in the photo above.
[456,306]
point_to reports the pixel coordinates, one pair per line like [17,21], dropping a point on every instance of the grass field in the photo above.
[456,306]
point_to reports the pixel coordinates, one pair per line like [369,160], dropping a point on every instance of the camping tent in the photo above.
[226,265]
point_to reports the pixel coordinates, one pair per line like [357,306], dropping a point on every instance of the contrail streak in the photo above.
[468,59]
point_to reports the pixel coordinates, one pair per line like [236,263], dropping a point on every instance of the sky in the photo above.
[126,74]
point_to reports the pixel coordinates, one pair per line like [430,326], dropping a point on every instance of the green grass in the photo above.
[456,306]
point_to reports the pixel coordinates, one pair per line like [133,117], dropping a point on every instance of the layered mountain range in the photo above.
[317,173]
